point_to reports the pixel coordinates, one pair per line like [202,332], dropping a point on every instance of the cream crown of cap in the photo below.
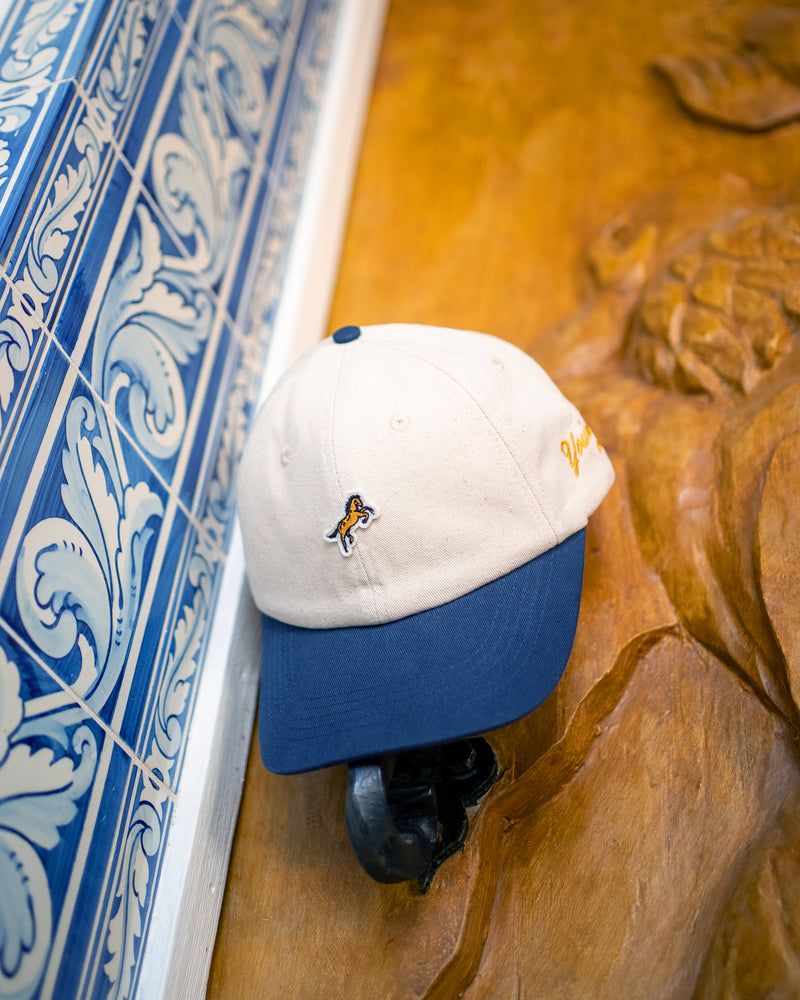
[395,468]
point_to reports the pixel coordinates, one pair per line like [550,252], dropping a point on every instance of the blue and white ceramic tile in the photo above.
[65,779]
[116,69]
[42,45]
[255,294]
[152,159]
[131,826]
[250,52]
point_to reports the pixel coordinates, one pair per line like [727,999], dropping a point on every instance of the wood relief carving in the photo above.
[642,839]
[703,422]
[746,74]
[724,310]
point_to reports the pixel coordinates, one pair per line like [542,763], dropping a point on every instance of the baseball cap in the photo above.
[413,503]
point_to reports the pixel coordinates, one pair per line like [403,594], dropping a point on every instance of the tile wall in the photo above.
[151,170]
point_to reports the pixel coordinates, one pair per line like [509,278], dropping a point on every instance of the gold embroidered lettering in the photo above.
[573,449]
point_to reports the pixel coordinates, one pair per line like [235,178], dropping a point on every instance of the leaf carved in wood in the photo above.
[750,79]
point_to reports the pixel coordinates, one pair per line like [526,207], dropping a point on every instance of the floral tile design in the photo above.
[264,56]
[62,778]
[42,44]
[117,892]
[152,159]
[23,365]
[116,69]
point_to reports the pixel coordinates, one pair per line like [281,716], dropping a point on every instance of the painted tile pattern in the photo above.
[151,169]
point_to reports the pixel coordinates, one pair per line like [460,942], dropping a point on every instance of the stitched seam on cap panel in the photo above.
[334,397]
[355,550]
[490,422]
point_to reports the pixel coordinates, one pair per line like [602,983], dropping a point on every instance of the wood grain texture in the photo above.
[526,172]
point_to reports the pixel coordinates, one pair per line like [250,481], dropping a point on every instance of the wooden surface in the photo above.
[609,186]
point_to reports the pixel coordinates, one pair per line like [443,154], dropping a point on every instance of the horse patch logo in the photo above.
[357,515]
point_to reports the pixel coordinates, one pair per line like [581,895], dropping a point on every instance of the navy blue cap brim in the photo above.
[463,668]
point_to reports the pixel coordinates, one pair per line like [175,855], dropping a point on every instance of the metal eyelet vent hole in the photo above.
[398,422]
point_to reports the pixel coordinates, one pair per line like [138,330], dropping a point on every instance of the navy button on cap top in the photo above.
[347,333]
